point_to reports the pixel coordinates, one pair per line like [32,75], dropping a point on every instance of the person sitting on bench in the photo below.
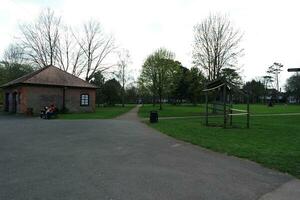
[50,111]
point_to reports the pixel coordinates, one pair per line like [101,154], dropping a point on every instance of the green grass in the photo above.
[171,110]
[189,110]
[101,113]
[271,141]
[276,109]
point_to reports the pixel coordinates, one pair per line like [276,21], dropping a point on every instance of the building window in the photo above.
[84,99]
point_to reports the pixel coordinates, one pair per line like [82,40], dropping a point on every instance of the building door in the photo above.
[14,103]
[6,108]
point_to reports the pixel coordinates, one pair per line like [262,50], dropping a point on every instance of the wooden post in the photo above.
[224,104]
[206,109]
[248,112]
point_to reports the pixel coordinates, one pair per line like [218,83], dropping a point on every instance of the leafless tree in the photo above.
[123,73]
[69,54]
[40,39]
[216,45]
[14,54]
[96,47]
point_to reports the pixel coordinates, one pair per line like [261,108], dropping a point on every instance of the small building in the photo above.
[49,85]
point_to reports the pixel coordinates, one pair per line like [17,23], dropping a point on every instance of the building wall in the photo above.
[72,99]
[37,97]
[20,99]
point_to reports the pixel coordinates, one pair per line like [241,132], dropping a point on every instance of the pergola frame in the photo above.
[227,90]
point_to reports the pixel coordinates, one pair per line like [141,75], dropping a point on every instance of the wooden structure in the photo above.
[219,97]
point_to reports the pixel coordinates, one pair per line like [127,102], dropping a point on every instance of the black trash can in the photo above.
[153,116]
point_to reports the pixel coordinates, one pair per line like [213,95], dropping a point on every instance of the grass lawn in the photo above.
[273,141]
[101,113]
[189,110]
[171,110]
[276,109]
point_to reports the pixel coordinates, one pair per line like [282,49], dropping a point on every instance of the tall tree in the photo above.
[99,81]
[196,85]
[96,47]
[231,75]
[123,73]
[13,65]
[111,92]
[148,78]
[13,54]
[274,70]
[179,83]
[40,39]
[268,83]
[131,94]
[293,87]
[11,71]
[47,41]
[156,73]
[216,45]
[255,89]
[69,54]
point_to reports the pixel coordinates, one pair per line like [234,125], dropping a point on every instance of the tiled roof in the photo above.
[51,75]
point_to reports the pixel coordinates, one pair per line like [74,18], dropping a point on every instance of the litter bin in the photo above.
[153,116]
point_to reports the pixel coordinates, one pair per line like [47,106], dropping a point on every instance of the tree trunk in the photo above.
[153,101]
[160,103]
[123,98]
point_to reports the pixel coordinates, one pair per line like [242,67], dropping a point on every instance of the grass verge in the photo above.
[190,110]
[101,113]
[272,141]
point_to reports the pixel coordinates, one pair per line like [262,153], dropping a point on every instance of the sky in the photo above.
[271,28]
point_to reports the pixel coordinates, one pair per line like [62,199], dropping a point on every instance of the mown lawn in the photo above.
[190,110]
[273,141]
[276,109]
[101,113]
[171,110]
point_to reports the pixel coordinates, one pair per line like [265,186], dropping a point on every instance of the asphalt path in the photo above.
[120,159]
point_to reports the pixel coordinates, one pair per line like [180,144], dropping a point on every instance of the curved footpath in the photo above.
[123,159]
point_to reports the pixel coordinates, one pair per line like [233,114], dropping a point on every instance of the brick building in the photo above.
[47,86]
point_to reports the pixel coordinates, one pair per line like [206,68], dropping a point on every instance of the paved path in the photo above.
[122,159]
[131,115]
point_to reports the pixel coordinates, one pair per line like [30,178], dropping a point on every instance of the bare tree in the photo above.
[69,54]
[123,73]
[96,46]
[216,45]
[40,39]
[268,83]
[14,54]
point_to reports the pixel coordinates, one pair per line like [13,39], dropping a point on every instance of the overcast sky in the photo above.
[271,28]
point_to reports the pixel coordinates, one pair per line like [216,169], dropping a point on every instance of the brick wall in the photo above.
[37,97]
[20,99]
[72,99]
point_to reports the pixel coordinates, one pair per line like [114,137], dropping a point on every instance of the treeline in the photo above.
[110,92]
[88,52]
[11,71]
